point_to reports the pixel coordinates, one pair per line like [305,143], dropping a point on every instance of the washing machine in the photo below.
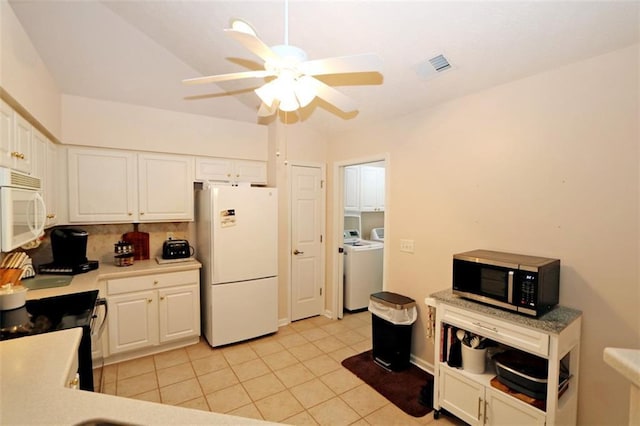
[362,270]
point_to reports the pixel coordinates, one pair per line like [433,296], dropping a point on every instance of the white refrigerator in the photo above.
[237,244]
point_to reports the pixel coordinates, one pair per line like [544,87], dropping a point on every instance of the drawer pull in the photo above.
[486,327]
[155,282]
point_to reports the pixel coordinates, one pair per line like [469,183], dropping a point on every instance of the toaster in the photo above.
[176,249]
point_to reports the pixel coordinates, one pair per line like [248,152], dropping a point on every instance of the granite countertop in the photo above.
[91,280]
[553,321]
[624,361]
[32,390]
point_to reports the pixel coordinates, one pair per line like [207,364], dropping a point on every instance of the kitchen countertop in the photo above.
[624,361]
[91,280]
[553,321]
[33,372]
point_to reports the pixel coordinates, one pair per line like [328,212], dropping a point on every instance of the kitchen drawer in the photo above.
[147,282]
[501,331]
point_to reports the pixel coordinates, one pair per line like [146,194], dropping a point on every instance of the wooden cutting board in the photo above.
[10,276]
[140,242]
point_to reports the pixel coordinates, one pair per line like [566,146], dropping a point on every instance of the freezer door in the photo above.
[245,233]
[241,311]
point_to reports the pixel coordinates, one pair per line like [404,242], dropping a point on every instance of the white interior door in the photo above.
[307,242]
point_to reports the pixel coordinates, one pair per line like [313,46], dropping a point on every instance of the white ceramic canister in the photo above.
[12,297]
[473,360]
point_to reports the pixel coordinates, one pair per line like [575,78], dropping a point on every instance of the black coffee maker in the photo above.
[69,247]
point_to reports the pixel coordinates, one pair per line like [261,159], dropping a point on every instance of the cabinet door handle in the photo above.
[478,324]
[297,252]
[141,213]
[149,300]
[479,408]
[161,297]
[130,213]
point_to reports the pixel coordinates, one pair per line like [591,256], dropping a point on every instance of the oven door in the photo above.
[23,217]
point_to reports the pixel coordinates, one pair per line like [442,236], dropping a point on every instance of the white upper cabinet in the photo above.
[364,188]
[111,186]
[15,140]
[6,134]
[22,156]
[234,171]
[371,189]
[165,185]
[352,188]
[50,184]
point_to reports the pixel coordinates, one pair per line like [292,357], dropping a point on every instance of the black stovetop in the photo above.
[49,314]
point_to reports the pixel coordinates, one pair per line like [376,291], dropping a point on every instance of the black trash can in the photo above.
[392,318]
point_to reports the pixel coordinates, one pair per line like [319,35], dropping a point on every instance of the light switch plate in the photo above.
[406,246]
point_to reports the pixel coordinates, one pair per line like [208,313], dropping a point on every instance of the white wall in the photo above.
[23,74]
[109,124]
[548,166]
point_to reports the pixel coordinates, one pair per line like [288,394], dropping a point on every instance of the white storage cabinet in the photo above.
[15,140]
[470,397]
[44,167]
[352,188]
[371,189]
[364,188]
[112,186]
[233,171]
[152,310]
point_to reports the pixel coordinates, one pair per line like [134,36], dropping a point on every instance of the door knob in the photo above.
[297,252]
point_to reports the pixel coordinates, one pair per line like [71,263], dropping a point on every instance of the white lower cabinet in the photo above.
[478,404]
[151,310]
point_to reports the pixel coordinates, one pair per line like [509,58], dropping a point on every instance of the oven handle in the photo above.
[102,301]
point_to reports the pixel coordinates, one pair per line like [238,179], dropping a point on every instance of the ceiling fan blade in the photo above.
[254,44]
[331,95]
[226,77]
[367,62]
[266,110]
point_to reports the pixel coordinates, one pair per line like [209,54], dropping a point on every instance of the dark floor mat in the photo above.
[410,390]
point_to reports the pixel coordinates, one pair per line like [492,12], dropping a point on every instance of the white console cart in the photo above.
[554,336]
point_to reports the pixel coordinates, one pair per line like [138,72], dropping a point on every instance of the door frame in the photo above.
[338,226]
[323,222]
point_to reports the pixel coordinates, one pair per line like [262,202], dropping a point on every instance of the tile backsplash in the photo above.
[100,244]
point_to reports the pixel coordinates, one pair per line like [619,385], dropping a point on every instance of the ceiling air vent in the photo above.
[440,63]
[432,67]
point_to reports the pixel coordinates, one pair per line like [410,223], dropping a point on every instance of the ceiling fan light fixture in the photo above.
[268,92]
[304,90]
[243,27]
[288,101]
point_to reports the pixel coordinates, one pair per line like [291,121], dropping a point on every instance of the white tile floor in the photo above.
[293,376]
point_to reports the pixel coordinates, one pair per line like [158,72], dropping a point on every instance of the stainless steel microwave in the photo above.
[526,284]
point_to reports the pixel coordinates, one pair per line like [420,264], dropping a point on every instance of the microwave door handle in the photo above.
[39,224]
[510,287]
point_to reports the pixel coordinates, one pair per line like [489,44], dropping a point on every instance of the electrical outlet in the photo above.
[169,235]
[406,246]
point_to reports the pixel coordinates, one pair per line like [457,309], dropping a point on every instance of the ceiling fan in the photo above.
[291,76]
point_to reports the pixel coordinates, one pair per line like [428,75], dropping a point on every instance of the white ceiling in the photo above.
[139,51]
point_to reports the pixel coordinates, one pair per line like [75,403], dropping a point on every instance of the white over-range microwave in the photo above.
[22,209]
